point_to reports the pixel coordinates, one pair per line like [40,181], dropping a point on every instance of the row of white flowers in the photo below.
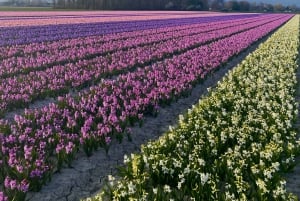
[234,144]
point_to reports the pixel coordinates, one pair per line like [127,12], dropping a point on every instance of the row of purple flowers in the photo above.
[31,57]
[42,140]
[28,17]
[32,34]
[32,48]
[21,90]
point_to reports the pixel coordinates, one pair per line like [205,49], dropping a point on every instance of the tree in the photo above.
[293,8]
[253,7]
[269,7]
[279,8]
[217,4]
[196,5]
[244,6]
[170,5]
[61,4]
[232,6]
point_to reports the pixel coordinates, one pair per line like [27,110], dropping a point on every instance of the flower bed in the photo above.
[33,48]
[9,19]
[21,90]
[234,144]
[37,34]
[39,57]
[36,144]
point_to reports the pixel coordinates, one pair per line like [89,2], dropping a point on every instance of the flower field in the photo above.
[9,19]
[57,79]
[108,71]
[233,144]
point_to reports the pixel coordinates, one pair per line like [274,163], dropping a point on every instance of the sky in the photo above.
[283,2]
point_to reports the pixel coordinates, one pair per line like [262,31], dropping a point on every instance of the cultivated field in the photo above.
[74,82]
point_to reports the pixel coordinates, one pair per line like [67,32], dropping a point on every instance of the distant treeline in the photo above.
[216,5]
[134,4]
